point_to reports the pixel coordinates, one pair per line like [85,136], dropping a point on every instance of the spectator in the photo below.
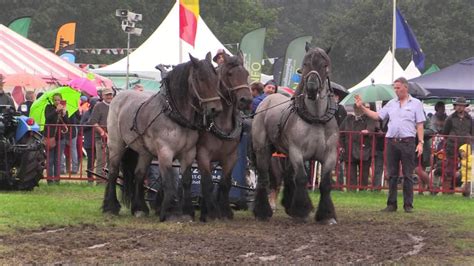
[465,153]
[219,57]
[55,113]
[5,99]
[438,119]
[138,87]
[357,160]
[406,118]
[341,115]
[381,129]
[99,121]
[458,124]
[88,143]
[270,87]
[256,88]
[70,163]
[24,108]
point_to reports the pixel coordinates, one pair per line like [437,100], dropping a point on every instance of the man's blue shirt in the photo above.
[402,119]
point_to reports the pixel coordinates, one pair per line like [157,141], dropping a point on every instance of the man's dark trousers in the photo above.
[401,150]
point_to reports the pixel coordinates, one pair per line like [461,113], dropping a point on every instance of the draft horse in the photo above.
[220,142]
[304,129]
[164,125]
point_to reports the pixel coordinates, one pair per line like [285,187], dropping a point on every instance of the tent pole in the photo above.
[394,36]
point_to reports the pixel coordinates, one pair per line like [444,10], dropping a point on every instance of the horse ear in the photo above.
[240,55]
[307,47]
[209,57]
[328,50]
[194,60]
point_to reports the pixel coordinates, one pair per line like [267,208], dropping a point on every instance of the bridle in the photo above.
[318,76]
[195,85]
[230,89]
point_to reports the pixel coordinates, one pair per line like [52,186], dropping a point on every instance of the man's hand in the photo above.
[364,131]
[419,149]
[358,100]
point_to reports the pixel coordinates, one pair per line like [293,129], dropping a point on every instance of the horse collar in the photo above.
[300,107]
[234,134]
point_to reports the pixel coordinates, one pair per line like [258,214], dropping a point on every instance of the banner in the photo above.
[188,20]
[66,42]
[293,60]
[406,39]
[251,46]
[20,26]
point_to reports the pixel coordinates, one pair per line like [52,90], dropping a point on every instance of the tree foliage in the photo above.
[358,31]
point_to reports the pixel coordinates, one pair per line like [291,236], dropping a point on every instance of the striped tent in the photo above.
[20,55]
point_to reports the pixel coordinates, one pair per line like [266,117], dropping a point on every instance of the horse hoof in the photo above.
[330,221]
[139,214]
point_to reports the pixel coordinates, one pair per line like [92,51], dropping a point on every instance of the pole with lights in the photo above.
[129,20]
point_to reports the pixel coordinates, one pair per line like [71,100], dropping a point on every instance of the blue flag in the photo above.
[406,39]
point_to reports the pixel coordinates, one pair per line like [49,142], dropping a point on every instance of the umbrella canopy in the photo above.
[417,91]
[339,90]
[371,93]
[70,95]
[25,80]
[84,85]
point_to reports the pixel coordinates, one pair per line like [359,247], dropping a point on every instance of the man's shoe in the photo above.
[390,208]
[408,209]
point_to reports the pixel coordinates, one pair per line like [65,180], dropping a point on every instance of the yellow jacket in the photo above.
[466,163]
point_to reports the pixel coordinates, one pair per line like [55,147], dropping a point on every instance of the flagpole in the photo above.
[394,36]
[180,57]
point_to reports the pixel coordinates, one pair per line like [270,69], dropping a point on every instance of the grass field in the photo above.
[75,204]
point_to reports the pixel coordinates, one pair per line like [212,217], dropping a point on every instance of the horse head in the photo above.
[204,81]
[315,71]
[234,81]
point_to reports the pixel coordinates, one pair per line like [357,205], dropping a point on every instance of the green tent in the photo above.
[433,68]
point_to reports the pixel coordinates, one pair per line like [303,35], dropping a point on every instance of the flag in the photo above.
[20,26]
[406,39]
[251,46]
[66,42]
[188,19]
[293,60]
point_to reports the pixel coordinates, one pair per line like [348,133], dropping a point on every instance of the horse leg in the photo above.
[225,186]
[301,204]
[139,206]
[169,205]
[187,180]
[208,203]
[288,187]
[110,203]
[262,209]
[326,213]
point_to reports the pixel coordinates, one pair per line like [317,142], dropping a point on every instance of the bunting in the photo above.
[188,20]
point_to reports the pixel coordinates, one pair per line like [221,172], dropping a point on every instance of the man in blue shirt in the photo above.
[406,118]
[269,88]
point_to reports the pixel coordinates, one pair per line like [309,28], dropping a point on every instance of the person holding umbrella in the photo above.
[55,113]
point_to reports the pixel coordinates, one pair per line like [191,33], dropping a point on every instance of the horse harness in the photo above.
[331,109]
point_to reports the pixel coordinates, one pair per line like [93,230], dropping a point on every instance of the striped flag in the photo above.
[188,20]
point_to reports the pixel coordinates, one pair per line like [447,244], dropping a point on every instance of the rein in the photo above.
[196,93]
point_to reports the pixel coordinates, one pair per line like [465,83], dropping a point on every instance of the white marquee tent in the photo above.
[382,74]
[162,47]
[412,71]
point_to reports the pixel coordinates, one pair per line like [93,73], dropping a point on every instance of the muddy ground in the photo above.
[365,238]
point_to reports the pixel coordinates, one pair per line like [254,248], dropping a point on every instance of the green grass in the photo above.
[73,203]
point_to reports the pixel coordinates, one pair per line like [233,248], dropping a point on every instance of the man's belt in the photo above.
[407,139]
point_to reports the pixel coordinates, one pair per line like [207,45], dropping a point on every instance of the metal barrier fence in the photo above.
[361,163]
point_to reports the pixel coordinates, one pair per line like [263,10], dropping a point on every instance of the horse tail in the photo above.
[128,164]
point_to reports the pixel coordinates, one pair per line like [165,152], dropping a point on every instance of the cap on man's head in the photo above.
[106,91]
[219,52]
[461,101]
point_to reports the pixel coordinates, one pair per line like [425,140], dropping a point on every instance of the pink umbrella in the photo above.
[84,85]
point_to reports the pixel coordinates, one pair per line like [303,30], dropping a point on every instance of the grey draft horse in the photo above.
[304,129]
[220,142]
[164,125]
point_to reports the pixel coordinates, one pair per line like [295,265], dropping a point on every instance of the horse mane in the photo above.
[177,80]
